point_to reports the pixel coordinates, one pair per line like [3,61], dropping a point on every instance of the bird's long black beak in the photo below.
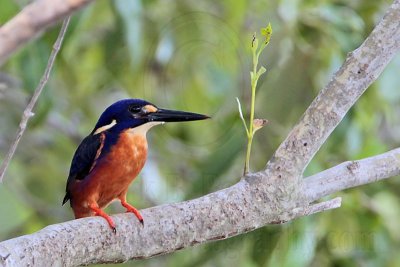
[166,115]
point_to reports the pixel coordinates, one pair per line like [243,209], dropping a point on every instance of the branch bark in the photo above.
[352,173]
[274,195]
[360,69]
[238,209]
[32,20]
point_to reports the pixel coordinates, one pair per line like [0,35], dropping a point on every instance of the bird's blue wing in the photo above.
[84,159]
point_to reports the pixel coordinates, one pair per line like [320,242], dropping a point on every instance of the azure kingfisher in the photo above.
[113,154]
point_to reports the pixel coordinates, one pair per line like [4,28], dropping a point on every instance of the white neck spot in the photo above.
[142,129]
[105,127]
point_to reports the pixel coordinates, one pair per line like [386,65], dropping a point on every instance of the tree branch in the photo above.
[32,20]
[29,108]
[353,173]
[360,69]
[238,209]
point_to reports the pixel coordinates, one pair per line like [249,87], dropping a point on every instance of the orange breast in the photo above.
[113,173]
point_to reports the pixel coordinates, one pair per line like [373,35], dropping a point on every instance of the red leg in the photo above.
[99,212]
[132,209]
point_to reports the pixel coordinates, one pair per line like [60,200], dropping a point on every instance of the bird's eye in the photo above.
[135,109]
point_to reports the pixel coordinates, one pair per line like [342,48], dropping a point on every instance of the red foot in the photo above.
[100,212]
[132,209]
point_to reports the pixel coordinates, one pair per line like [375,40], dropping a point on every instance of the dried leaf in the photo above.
[258,124]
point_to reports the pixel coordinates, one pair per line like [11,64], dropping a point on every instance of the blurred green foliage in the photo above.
[195,55]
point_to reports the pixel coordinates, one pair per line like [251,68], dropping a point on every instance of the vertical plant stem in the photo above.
[254,76]
[248,152]
[253,92]
[254,79]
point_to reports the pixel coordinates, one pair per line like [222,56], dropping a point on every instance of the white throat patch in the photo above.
[142,129]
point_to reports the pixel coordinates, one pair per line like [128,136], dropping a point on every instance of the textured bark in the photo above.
[352,173]
[238,209]
[248,205]
[360,69]
[274,195]
[32,20]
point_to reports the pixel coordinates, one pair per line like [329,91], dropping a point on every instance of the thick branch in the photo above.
[32,20]
[29,108]
[353,173]
[248,205]
[235,210]
[361,68]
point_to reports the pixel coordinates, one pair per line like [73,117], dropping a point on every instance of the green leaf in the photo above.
[267,32]
[261,71]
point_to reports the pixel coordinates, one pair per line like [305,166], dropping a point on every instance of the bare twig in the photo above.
[29,108]
[323,206]
[32,20]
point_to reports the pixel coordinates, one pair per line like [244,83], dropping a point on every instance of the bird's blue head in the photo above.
[131,113]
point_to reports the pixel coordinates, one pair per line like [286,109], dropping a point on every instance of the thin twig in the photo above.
[323,206]
[28,110]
